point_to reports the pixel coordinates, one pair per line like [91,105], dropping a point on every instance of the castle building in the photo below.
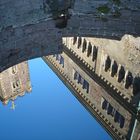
[14,82]
[104,75]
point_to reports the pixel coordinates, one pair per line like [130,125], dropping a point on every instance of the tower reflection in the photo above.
[14,82]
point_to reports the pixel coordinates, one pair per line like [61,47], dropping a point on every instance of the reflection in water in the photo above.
[109,90]
[14,82]
[103,81]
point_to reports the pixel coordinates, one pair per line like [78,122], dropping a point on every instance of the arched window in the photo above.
[94,53]
[74,40]
[117,116]
[114,68]
[79,42]
[107,63]
[61,61]
[14,86]
[86,86]
[109,109]
[76,75]
[104,104]
[17,83]
[121,74]
[89,49]
[121,121]
[84,46]
[79,78]
[128,80]
[136,85]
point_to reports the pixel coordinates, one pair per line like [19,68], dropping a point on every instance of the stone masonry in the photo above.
[100,71]
[30,29]
[14,82]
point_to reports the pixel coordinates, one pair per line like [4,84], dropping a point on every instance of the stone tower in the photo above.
[104,76]
[14,82]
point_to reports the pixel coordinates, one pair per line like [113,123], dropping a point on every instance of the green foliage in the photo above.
[103,9]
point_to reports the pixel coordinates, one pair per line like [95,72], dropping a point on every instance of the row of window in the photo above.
[86,47]
[113,112]
[81,80]
[60,59]
[119,70]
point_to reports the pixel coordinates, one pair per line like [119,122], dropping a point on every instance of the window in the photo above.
[14,70]
[128,80]
[84,46]
[121,121]
[136,85]
[121,74]
[62,61]
[94,53]
[107,63]
[109,109]
[79,42]
[89,49]
[104,104]
[81,80]
[76,75]
[86,86]
[74,40]
[114,68]
[16,84]
[118,118]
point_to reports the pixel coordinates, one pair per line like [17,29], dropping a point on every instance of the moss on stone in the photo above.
[103,9]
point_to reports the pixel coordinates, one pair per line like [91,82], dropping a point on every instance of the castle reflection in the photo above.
[102,80]
[14,82]
[101,76]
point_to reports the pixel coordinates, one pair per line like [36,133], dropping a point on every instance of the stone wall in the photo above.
[14,82]
[29,29]
[95,95]
[115,62]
